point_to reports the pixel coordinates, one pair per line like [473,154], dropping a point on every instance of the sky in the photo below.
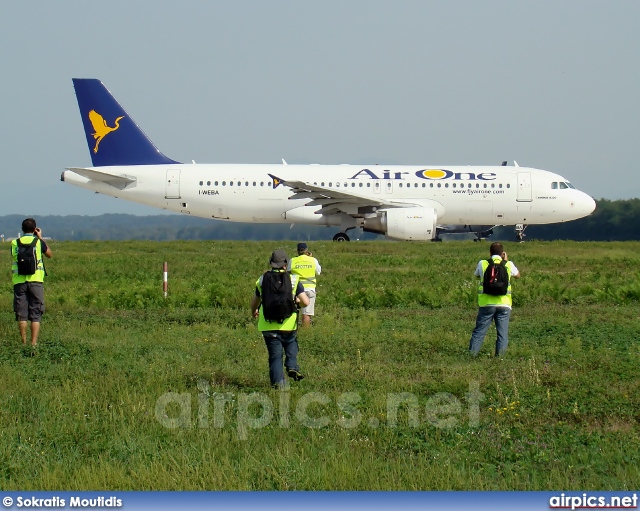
[551,84]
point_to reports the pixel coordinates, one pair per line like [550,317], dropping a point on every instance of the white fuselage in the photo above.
[244,193]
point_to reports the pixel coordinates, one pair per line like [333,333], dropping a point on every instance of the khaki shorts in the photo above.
[309,309]
[28,301]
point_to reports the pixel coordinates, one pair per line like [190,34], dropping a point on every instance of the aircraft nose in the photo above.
[591,205]
[586,204]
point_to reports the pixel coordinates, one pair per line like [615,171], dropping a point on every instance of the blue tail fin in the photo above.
[113,137]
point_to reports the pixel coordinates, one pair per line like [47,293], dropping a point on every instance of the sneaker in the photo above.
[295,375]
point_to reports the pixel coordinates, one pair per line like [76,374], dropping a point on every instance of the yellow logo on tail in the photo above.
[101,128]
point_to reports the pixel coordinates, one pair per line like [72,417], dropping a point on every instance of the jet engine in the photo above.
[410,224]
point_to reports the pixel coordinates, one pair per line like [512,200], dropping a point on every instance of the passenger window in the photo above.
[230,183]
[430,185]
[446,185]
[360,185]
[484,185]
[353,185]
[439,185]
[500,185]
[216,183]
[254,183]
[454,185]
[200,183]
[337,185]
[508,185]
[224,183]
[493,185]
[400,185]
[477,185]
[246,183]
[369,185]
[208,183]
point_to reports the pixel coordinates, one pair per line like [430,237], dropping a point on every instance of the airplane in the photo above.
[413,203]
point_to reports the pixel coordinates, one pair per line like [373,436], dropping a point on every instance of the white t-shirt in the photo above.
[513,270]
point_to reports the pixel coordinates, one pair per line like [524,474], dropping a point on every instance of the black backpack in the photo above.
[277,296]
[27,257]
[496,278]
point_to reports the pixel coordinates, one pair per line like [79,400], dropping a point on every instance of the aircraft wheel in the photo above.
[341,236]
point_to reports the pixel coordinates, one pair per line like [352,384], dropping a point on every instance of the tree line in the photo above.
[613,220]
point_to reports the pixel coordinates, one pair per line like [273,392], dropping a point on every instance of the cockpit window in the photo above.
[554,186]
[563,186]
[570,185]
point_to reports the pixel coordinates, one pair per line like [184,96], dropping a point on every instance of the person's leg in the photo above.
[21,309]
[502,328]
[35,330]
[22,325]
[290,343]
[483,320]
[308,311]
[274,347]
[35,297]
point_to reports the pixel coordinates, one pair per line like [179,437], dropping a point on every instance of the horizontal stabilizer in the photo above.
[120,181]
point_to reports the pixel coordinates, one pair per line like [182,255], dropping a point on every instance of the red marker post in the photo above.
[165,278]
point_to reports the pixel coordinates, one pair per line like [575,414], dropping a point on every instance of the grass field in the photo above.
[129,390]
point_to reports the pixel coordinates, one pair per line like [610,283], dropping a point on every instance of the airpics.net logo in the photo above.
[315,410]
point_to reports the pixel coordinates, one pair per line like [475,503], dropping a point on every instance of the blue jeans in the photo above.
[277,341]
[501,317]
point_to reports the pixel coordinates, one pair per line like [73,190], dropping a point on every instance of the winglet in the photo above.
[112,135]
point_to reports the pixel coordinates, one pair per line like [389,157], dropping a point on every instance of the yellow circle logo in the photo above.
[434,174]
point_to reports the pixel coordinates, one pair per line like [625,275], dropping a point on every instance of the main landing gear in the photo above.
[520,232]
[341,236]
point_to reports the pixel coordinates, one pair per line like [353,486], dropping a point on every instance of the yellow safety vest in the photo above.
[38,276]
[289,324]
[485,300]
[305,266]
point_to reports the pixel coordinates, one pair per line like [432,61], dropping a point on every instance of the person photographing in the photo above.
[494,298]
[27,275]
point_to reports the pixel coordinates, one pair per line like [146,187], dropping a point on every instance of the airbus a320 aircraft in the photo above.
[401,202]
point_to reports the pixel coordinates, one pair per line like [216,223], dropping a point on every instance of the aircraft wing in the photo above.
[333,201]
[120,181]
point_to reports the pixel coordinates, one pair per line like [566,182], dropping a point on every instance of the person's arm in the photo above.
[515,273]
[302,299]
[255,305]
[47,251]
[318,268]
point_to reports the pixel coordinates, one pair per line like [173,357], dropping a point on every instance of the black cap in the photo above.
[302,246]
[278,259]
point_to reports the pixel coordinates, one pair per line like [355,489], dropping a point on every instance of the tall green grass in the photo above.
[559,411]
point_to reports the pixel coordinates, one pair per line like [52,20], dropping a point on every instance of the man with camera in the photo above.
[494,298]
[27,274]
[307,268]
